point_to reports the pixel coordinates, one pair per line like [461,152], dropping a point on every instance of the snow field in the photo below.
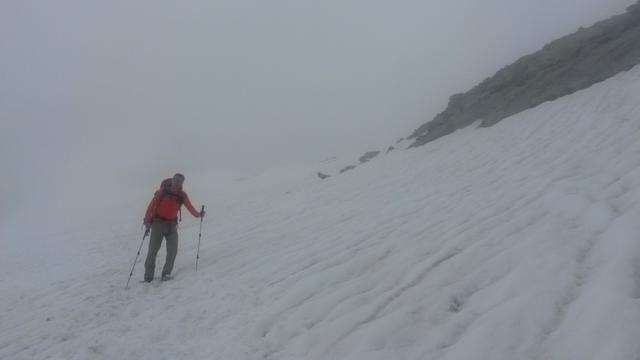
[519,241]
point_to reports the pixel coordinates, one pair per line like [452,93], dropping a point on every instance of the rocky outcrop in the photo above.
[368,156]
[564,66]
[350,167]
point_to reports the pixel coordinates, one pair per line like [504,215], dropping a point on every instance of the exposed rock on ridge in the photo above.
[562,67]
[368,156]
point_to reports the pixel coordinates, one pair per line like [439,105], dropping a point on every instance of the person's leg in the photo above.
[155,240]
[172,249]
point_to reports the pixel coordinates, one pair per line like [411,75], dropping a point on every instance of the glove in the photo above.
[147,228]
[202,213]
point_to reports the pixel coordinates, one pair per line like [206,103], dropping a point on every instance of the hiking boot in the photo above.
[148,280]
[166,277]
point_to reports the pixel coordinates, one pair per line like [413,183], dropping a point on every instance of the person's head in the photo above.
[176,182]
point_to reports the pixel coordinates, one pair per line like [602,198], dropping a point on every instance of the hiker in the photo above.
[162,219]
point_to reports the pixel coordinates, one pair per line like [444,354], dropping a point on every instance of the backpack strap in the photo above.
[180,201]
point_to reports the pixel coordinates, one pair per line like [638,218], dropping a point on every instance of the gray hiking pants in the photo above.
[161,229]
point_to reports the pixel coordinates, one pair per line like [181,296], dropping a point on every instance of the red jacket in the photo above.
[165,206]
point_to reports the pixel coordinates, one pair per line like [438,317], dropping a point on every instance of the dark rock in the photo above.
[350,167]
[323,176]
[391,148]
[562,67]
[368,156]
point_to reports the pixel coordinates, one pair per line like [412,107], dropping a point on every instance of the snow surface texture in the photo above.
[519,241]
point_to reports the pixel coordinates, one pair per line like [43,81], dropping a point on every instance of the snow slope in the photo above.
[519,241]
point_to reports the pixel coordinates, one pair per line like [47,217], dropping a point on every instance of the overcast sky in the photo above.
[100,95]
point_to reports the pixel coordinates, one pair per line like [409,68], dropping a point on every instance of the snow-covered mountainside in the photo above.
[564,66]
[518,241]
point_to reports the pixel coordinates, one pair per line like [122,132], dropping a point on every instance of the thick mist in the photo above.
[101,100]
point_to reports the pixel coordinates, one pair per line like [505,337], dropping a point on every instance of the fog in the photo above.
[99,100]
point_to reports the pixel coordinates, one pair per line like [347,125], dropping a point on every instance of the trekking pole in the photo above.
[199,237]
[136,260]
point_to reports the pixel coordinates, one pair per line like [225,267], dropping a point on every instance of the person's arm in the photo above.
[189,206]
[151,208]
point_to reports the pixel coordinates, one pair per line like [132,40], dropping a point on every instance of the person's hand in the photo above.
[147,228]
[202,212]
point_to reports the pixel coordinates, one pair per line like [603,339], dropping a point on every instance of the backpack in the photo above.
[165,190]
